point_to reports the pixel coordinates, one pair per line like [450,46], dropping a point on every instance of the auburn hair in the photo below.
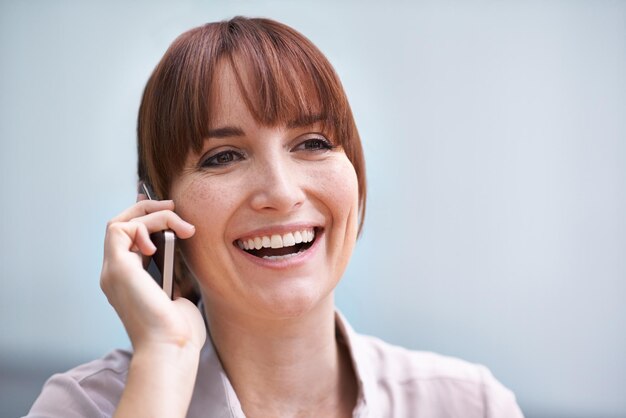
[282,76]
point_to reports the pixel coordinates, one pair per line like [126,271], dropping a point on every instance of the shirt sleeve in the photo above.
[63,396]
[499,401]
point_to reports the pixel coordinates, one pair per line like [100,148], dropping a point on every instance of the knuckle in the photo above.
[111,225]
[114,226]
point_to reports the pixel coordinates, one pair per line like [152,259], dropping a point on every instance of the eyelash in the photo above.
[322,144]
[212,161]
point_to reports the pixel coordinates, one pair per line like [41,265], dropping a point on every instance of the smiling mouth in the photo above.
[278,247]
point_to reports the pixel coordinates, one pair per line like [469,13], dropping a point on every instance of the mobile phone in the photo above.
[161,266]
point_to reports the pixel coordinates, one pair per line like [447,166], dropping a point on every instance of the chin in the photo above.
[292,301]
[276,296]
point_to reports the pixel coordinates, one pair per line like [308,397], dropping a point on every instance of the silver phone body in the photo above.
[163,258]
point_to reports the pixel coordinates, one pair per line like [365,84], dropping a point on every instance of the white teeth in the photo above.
[280,257]
[288,240]
[277,241]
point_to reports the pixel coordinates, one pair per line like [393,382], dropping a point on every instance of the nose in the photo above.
[278,187]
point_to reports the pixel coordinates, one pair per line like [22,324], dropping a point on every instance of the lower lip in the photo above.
[288,262]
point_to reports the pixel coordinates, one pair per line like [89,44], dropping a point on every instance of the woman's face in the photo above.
[275,210]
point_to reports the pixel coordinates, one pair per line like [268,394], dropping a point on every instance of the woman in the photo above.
[246,131]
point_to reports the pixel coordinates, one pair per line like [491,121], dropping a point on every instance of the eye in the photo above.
[222,159]
[314,144]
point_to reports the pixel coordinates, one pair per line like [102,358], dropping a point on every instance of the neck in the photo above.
[286,366]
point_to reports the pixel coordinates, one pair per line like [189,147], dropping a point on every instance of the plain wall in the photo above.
[495,140]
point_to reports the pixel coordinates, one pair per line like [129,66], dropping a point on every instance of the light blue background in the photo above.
[495,138]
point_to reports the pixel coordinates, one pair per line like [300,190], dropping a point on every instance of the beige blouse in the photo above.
[393,382]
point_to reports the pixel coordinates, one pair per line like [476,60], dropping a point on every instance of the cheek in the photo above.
[338,190]
[339,194]
[201,201]
[205,204]
[193,195]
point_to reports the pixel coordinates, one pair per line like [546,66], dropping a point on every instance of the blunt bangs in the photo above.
[283,77]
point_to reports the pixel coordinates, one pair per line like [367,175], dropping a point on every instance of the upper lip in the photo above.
[277,230]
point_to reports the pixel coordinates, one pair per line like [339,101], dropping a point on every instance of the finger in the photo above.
[142,240]
[142,208]
[166,219]
[128,236]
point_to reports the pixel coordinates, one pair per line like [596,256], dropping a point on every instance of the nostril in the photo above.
[278,193]
[276,200]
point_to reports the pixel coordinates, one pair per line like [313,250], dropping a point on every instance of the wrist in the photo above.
[180,356]
[181,348]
